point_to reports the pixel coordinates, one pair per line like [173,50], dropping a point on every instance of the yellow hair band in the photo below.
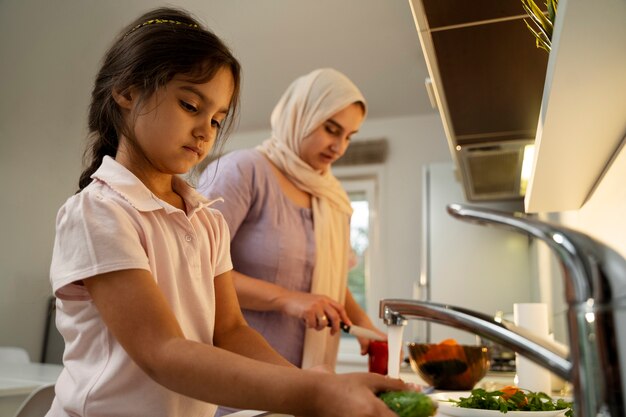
[160,21]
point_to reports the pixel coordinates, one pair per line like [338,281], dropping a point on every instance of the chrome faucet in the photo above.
[595,290]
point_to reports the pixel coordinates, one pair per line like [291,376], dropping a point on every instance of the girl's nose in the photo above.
[202,130]
[203,137]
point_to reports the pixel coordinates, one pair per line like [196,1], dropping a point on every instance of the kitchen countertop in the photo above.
[17,380]
[492,381]
[22,378]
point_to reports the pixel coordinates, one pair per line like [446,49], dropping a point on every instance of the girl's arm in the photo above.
[259,295]
[138,316]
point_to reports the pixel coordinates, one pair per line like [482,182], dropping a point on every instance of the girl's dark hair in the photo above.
[147,55]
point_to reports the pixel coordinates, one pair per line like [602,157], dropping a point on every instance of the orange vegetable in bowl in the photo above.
[445,350]
[449,366]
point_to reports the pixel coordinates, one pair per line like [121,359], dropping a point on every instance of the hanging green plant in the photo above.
[543,23]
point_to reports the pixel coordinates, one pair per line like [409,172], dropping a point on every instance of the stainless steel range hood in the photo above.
[492,171]
[487,79]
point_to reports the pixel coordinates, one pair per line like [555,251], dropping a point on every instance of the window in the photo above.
[363,226]
[362,194]
[359,240]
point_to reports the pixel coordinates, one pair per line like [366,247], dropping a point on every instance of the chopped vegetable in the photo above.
[409,403]
[510,391]
[512,398]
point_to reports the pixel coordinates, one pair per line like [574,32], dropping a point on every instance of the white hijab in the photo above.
[308,102]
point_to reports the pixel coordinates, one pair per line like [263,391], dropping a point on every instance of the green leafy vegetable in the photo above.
[519,400]
[409,403]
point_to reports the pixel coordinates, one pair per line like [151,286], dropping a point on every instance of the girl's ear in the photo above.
[123,99]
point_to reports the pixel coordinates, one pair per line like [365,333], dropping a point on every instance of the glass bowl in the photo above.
[449,366]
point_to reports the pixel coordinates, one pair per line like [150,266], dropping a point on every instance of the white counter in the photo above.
[17,380]
[492,381]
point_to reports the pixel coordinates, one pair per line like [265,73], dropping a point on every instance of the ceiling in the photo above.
[374,42]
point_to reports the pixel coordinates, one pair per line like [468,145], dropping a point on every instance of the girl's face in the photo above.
[176,127]
[330,140]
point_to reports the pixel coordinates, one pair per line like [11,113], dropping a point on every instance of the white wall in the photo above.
[44,91]
[604,215]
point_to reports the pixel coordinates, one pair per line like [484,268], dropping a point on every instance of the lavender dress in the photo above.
[271,238]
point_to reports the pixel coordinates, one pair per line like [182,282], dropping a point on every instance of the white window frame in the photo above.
[367,179]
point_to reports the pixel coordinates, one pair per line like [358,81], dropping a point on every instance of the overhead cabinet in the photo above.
[582,123]
[487,77]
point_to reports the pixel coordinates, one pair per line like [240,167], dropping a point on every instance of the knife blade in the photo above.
[359,331]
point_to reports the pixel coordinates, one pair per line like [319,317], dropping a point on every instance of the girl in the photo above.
[141,264]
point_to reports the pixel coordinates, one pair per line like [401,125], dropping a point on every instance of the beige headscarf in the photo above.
[308,102]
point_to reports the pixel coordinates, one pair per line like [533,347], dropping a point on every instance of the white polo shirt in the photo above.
[116,223]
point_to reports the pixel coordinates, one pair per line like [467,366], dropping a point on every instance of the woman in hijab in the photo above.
[289,220]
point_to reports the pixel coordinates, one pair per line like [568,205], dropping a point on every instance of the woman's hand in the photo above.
[317,311]
[365,342]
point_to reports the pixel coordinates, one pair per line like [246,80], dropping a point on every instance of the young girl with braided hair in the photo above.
[141,266]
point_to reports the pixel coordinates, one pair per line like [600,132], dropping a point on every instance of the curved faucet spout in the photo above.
[543,351]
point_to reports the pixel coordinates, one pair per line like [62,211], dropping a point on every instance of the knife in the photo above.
[359,331]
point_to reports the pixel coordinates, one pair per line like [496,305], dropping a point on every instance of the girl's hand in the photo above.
[355,395]
[322,368]
[317,311]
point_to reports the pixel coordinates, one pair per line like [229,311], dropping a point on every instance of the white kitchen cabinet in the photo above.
[583,114]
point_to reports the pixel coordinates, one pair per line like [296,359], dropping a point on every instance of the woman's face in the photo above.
[329,141]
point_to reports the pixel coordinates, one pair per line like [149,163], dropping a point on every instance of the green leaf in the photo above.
[544,22]
[520,401]
[552,5]
[542,41]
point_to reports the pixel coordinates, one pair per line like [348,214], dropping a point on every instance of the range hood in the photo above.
[486,79]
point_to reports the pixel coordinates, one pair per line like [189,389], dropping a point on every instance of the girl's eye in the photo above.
[189,107]
[216,123]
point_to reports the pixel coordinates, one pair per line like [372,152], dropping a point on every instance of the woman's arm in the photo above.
[135,311]
[231,330]
[259,295]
